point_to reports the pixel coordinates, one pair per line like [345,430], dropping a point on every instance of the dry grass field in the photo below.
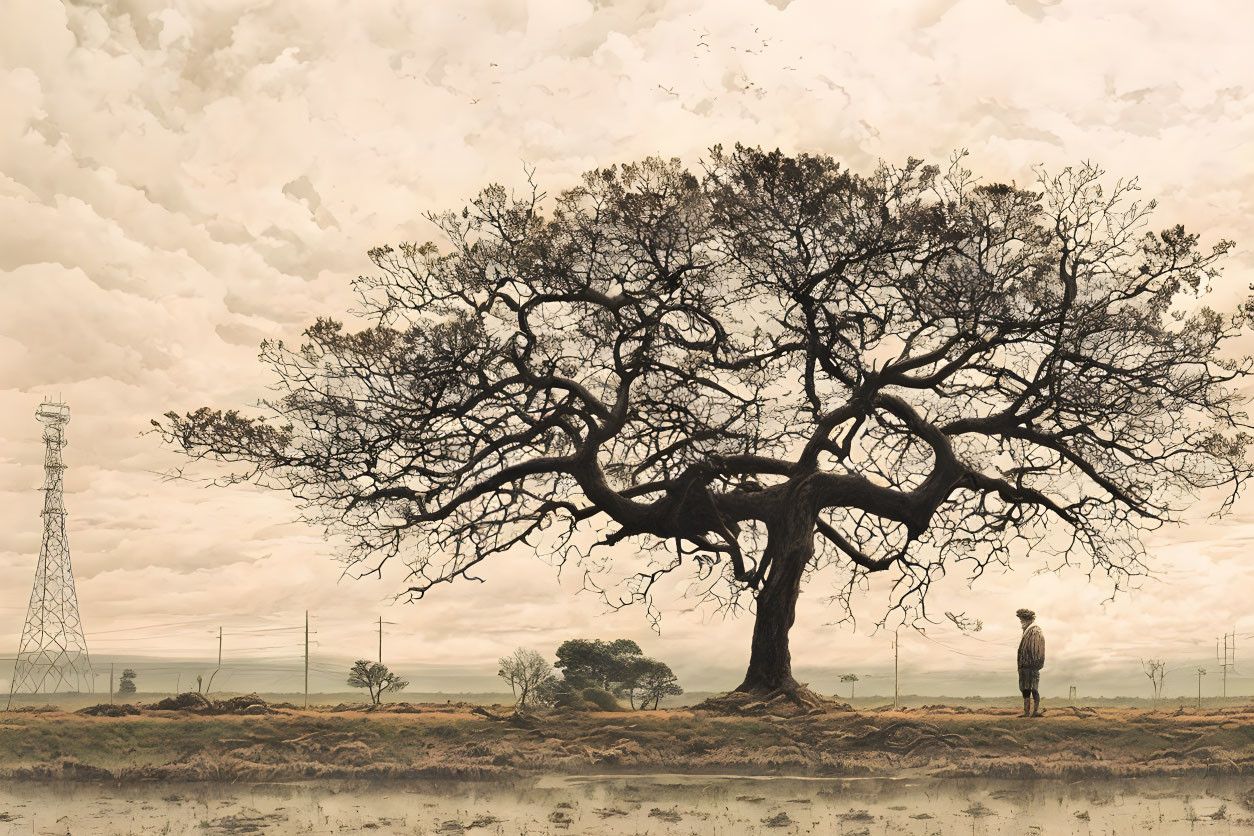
[255,741]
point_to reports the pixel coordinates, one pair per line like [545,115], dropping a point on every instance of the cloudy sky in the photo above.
[179,180]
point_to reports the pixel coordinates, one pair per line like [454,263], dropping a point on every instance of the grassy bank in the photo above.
[450,740]
[75,701]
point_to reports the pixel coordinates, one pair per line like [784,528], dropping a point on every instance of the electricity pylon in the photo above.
[52,655]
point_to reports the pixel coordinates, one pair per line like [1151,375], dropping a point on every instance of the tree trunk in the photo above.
[770,663]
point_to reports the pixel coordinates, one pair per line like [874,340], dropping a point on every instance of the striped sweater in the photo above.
[1032,649]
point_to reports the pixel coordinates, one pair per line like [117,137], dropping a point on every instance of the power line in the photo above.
[197,623]
[235,631]
[117,639]
[954,650]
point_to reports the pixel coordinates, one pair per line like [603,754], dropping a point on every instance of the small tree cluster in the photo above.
[619,667]
[597,664]
[593,671]
[376,678]
[126,685]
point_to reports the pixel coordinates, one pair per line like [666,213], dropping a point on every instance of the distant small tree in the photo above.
[528,674]
[375,677]
[852,679]
[596,663]
[648,680]
[126,685]
[1156,670]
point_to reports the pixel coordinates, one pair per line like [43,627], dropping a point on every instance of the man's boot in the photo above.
[1027,707]
[1036,707]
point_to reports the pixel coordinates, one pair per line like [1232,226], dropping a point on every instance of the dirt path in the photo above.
[438,741]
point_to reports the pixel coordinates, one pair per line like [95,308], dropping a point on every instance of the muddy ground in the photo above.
[254,741]
[660,805]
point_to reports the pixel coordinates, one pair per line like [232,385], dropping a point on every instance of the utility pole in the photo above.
[218,668]
[381,623]
[1227,657]
[896,690]
[1201,672]
[306,658]
[110,683]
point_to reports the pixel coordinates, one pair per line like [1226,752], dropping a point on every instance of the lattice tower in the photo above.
[52,655]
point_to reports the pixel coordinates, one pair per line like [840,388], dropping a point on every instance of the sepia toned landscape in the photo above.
[626,417]
[428,768]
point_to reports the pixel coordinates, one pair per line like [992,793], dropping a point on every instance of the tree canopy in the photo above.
[756,369]
[597,663]
[648,681]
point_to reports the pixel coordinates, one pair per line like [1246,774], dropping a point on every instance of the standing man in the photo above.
[1031,660]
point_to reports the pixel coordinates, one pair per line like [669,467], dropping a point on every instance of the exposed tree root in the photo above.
[201,704]
[518,719]
[483,712]
[903,738]
[1084,712]
[789,701]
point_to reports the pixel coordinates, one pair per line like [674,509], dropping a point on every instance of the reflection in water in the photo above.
[660,805]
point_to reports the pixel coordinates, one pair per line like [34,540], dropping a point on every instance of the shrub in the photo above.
[602,699]
[559,693]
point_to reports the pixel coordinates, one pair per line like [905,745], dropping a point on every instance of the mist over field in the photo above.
[439,682]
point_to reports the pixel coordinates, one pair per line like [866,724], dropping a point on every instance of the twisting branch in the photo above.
[732,368]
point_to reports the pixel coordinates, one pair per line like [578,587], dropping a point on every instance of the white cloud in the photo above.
[179,180]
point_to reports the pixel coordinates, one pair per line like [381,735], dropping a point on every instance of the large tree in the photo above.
[756,369]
